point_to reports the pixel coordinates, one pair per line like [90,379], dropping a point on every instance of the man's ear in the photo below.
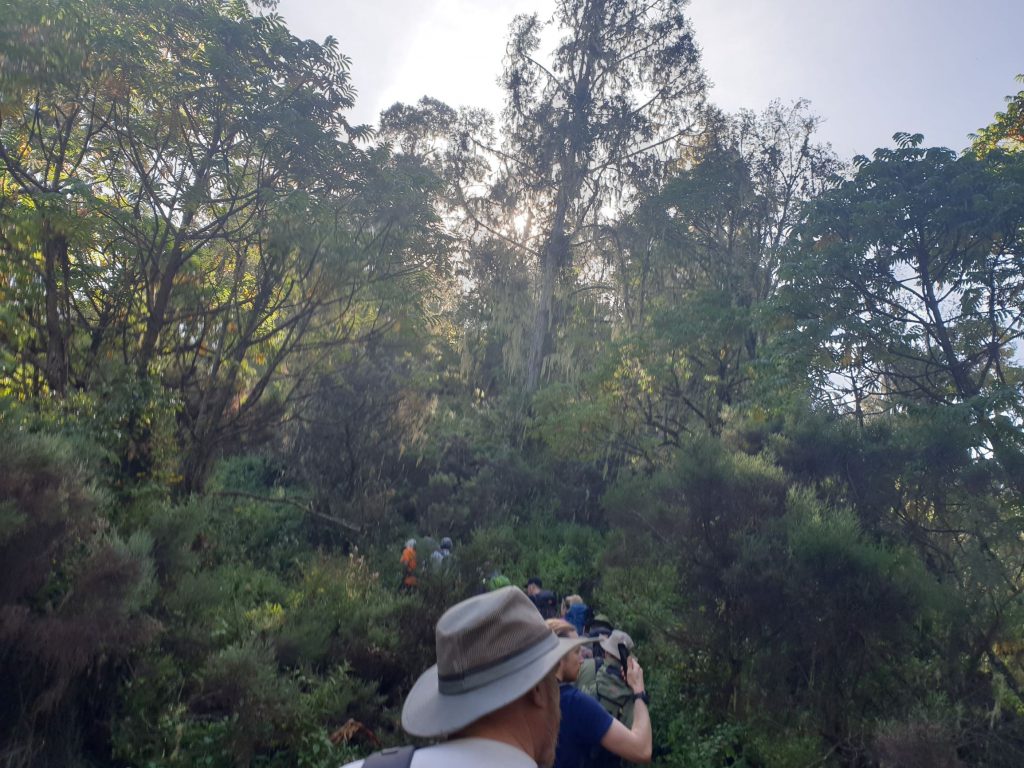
[537,695]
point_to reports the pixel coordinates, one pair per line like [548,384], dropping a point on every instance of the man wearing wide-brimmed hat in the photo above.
[493,690]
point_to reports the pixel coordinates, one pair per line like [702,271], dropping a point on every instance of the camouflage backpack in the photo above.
[604,682]
[613,692]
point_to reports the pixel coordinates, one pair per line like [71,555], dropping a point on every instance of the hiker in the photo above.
[408,561]
[574,610]
[497,580]
[587,732]
[492,693]
[439,557]
[614,690]
[544,599]
[546,602]
[533,586]
[598,626]
[604,680]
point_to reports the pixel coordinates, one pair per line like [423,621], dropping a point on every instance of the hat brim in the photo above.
[611,648]
[429,713]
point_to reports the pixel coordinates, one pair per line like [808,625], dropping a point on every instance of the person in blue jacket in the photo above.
[574,610]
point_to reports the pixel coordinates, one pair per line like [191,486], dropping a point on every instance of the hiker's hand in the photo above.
[635,675]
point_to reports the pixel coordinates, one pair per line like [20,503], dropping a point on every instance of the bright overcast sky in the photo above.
[869,67]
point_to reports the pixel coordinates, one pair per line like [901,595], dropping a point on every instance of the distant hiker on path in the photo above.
[439,557]
[496,580]
[493,691]
[574,610]
[544,599]
[408,561]
[533,586]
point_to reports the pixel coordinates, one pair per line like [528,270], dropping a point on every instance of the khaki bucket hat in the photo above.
[610,644]
[491,649]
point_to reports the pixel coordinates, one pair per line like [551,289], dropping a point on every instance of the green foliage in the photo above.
[73,601]
[573,424]
[646,598]
[294,728]
[183,202]
[911,266]
[693,741]
[779,749]
[1006,132]
[243,680]
[567,555]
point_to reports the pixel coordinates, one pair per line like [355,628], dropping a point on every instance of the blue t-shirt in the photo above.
[584,724]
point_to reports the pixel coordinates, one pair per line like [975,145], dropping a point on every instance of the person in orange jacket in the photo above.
[408,561]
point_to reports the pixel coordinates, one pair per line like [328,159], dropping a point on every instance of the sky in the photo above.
[869,67]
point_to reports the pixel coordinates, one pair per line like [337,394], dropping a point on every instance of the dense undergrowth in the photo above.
[779,623]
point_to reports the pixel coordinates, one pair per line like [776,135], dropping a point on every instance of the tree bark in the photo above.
[55,256]
[555,253]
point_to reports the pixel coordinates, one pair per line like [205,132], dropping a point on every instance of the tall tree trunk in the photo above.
[571,170]
[55,257]
[555,253]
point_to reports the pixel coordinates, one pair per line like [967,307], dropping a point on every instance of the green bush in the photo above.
[74,600]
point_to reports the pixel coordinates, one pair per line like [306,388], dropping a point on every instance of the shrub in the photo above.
[73,597]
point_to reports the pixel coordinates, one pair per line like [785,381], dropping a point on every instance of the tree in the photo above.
[1007,130]
[623,89]
[699,262]
[906,284]
[63,73]
[908,278]
[215,216]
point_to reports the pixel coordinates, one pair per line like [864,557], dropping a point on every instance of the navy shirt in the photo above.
[584,724]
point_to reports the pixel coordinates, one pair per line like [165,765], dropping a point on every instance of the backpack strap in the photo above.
[393,757]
